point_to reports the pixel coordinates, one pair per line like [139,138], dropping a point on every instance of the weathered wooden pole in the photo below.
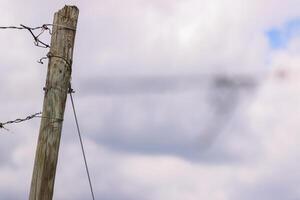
[56,90]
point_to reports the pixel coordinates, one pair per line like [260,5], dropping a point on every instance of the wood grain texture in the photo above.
[56,89]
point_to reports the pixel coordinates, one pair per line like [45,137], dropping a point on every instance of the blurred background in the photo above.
[176,99]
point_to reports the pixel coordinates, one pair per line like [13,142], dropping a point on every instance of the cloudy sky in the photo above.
[177,99]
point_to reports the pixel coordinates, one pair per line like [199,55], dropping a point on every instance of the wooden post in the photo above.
[56,90]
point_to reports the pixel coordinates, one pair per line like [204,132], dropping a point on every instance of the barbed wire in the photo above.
[37,41]
[19,120]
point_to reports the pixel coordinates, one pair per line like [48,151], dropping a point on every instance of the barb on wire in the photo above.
[19,120]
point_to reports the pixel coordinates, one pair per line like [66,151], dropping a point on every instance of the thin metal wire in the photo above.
[22,27]
[50,55]
[81,143]
[37,41]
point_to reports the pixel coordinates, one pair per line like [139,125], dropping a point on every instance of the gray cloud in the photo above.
[163,84]
[203,106]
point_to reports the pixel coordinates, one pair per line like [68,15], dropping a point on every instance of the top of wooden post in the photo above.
[69,11]
[64,20]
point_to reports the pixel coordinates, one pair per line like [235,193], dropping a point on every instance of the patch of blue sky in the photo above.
[280,36]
